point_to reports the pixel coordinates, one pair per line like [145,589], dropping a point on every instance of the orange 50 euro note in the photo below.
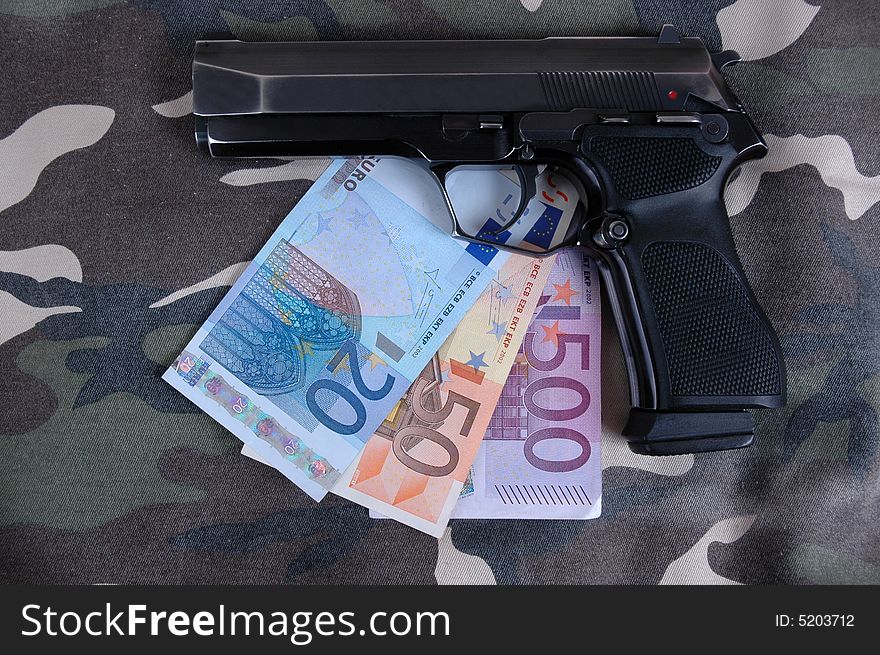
[413,468]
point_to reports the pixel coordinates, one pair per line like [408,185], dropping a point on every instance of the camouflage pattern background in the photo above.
[111,476]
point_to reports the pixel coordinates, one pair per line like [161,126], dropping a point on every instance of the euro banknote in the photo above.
[334,320]
[540,457]
[487,199]
[414,467]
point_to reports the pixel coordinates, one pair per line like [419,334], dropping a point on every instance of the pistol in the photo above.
[645,128]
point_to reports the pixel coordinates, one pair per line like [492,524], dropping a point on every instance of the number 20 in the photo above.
[349,349]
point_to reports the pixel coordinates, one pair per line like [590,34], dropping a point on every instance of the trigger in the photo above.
[528,189]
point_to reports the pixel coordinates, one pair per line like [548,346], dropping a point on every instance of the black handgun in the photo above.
[645,128]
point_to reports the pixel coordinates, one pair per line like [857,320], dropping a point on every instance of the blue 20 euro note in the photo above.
[334,319]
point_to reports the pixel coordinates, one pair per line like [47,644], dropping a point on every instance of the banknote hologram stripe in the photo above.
[249,414]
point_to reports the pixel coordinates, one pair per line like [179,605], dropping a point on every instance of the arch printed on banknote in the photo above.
[289,309]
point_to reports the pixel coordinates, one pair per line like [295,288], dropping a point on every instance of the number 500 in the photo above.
[559,414]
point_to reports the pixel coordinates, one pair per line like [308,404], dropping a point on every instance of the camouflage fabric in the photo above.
[118,237]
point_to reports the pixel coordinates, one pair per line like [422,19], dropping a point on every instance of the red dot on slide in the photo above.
[672,95]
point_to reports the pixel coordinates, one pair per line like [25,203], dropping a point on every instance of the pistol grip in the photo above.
[699,348]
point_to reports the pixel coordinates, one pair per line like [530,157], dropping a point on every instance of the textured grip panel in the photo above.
[632,90]
[641,167]
[715,343]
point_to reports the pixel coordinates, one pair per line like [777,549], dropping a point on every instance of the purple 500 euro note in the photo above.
[540,457]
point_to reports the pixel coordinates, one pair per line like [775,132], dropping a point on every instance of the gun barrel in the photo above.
[551,74]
